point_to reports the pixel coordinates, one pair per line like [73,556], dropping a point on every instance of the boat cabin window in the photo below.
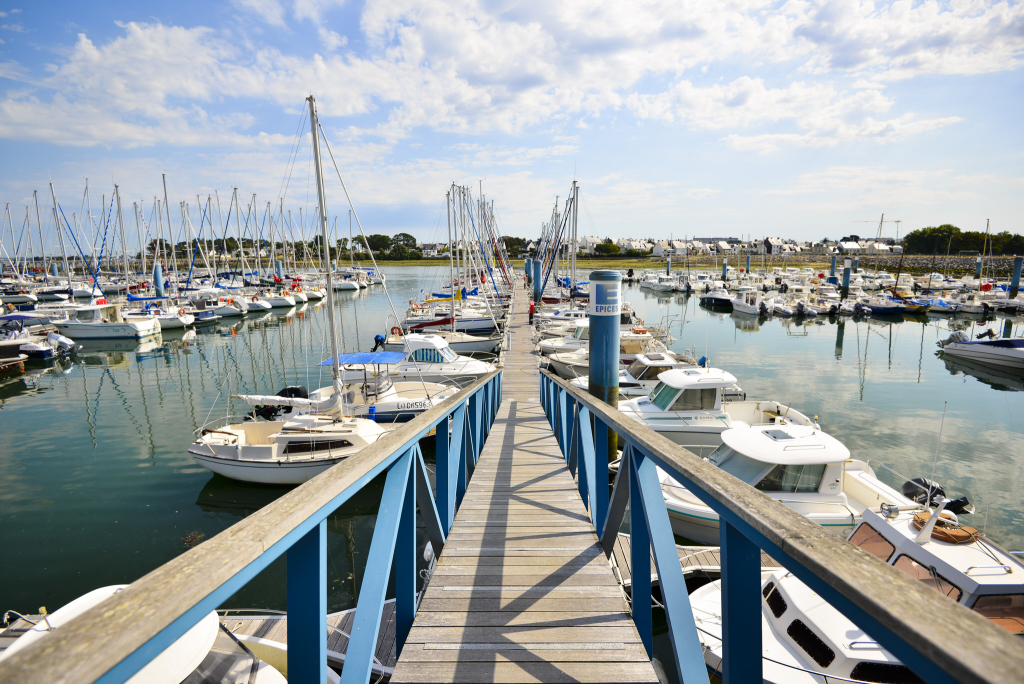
[811,643]
[86,314]
[869,539]
[793,478]
[662,395]
[736,464]
[581,333]
[696,400]
[1005,610]
[884,673]
[428,356]
[925,574]
[640,371]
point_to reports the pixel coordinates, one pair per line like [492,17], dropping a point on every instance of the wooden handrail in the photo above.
[93,644]
[958,641]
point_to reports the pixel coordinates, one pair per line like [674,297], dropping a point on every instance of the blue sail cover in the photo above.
[366,357]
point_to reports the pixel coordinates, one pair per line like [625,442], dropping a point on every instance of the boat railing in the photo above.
[904,479]
[111,642]
[215,424]
[912,621]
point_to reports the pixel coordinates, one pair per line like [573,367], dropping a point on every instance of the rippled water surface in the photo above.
[98,488]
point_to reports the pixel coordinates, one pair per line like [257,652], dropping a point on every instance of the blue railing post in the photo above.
[640,556]
[307,607]
[584,467]
[405,559]
[363,637]
[474,426]
[463,455]
[445,480]
[686,646]
[741,607]
[598,441]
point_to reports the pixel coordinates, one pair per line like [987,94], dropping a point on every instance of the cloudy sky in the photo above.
[678,118]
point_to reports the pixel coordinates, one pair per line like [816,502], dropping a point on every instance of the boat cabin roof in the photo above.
[697,378]
[414,341]
[786,444]
[978,566]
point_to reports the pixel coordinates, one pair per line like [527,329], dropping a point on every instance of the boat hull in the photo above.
[106,331]
[1009,357]
[265,472]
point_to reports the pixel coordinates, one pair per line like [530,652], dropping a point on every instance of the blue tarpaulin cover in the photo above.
[366,357]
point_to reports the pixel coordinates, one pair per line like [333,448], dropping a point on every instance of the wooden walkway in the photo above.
[522,591]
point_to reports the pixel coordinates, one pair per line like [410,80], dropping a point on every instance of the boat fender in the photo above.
[948,529]
[396,330]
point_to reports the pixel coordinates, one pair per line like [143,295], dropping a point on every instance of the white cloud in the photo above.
[470,67]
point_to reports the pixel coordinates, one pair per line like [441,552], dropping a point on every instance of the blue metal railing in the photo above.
[858,585]
[128,630]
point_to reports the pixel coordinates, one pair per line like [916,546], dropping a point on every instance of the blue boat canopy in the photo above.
[366,357]
[133,298]
[18,317]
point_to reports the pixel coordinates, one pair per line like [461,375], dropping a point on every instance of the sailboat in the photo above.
[308,442]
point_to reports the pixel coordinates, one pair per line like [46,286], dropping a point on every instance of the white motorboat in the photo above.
[649,282]
[634,340]
[801,466]
[664,283]
[642,375]
[103,320]
[561,316]
[17,297]
[718,297]
[460,343]
[19,335]
[806,640]
[171,318]
[1008,352]
[384,401]
[748,300]
[206,653]
[781,307]
[694,406]
[426,358]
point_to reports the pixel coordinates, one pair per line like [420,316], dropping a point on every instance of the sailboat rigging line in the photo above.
[293,153]
[384,282]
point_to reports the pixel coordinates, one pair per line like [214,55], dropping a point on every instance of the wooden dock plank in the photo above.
[522,591]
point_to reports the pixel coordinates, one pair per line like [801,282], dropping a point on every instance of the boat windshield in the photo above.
[793,478]
[696,400]
[736,464]
[581,333]
[663,395]
[641,371]
[448,354]
[1005,610]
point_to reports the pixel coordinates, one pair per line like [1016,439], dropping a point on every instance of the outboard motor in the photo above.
[378,343]
[290,392]
[917,489]
[957,336]
[63,345]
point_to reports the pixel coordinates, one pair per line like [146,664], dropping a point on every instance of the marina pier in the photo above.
[523,589]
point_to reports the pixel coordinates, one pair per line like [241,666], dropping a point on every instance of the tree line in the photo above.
[949,239]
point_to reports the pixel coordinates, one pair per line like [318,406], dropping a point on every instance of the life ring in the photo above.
[298,289]
[396,330]
[255,298]
[182,312]
[231,300]
[947,529]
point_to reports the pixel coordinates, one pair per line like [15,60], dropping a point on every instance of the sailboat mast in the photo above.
[323,228]
[39,224]
[451,255]
[170,233]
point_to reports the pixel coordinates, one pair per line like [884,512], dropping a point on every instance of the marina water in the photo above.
[98,488]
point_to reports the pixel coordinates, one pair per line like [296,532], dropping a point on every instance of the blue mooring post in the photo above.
[832,270]
[845,291]
[334,265]
[538,285]
[53,268]
[748,263]
[279,267]
[668,266]
[158,280]
[856,263]
[977,270]
[529,269]
[725,268]
[1018,262]
[605,309]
